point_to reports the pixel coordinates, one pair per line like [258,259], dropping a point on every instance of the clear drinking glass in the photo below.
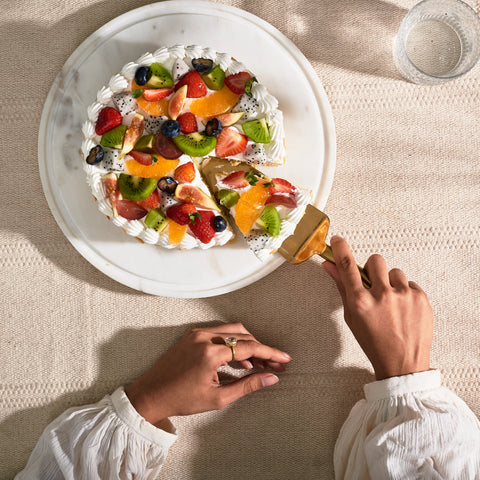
[438,41]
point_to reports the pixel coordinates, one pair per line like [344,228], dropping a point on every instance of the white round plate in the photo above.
[277,63]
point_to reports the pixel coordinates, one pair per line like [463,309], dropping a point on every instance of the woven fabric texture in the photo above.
[406,185]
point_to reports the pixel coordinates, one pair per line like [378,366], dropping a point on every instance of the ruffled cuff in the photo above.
[402,385]
[125,411]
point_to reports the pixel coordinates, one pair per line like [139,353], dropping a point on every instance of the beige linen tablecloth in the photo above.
[406,185]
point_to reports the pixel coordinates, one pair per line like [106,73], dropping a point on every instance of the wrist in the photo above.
[384,373]
[143,403]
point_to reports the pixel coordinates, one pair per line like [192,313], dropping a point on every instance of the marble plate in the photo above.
[310,140]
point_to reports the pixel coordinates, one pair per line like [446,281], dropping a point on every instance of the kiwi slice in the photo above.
[195,144]
[160,78]
[136,188]
[114,137]
[146,144]
[257,130]
[228,198]
[214,79]
[270,221]
[156,219]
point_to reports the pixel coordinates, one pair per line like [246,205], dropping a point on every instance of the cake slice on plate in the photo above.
[265,210]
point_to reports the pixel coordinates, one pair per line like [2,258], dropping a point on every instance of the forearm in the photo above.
[90,441]
[409,427]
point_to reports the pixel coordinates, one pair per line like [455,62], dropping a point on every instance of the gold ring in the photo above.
[231,342]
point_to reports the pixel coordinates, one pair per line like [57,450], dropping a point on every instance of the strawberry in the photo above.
[236,82]
[281,186]
[130,210]
[153,201]
[154,94]
[284,199]
[188,122]
[230,142]
[236,180]
[202,226]
[142,157]
[196,86]
[108,118]
[185,173]
[182,213]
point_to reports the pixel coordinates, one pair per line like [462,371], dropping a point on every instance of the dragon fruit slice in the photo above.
[180,68]
[111,161]
[153,124]
[248,105]
[255,153]
[125,103]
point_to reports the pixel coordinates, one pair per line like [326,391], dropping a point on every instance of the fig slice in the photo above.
[176,103]
[133,133]
[228,119]
[189,194]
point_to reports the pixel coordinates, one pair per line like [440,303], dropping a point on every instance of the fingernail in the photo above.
[269,380]
[248,364]
[335,238]
[287,356]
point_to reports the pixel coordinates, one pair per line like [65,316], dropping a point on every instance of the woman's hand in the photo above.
[185,381]
[392,321]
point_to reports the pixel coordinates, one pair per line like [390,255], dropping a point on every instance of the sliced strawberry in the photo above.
[130,210]
[236,82]
[196,86]
[284,199]
[185,173]
[153,201]
[108,118]
[230,142]
[202,226]
[142,157]
[281,186]
[188,122]
[182,213]
[154,94]
[236,180]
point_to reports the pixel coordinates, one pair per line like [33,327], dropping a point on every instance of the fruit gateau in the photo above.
[149,130]
[266,210]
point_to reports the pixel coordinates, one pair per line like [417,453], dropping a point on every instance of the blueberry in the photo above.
[219,224]
[142,75]
[167,185]
[170,128]
[202,65]
[95,156]
[213,127]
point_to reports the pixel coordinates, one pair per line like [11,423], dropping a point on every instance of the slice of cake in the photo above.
[265,210]
[150,128]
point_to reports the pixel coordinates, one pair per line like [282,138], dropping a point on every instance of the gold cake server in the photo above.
[309,239]
[309,236]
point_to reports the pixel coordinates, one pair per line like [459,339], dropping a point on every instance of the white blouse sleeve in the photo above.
[409,427]
[105,441]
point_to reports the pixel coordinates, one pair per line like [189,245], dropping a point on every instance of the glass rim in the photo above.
[428,75]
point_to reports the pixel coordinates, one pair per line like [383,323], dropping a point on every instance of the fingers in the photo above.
[246,349]
[346,266]
[245,385]
[376,268]
[398,279]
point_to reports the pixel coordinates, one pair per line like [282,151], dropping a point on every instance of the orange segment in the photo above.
[176,232]
[159,169]
[158,108]
[249,207]
[215,104]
